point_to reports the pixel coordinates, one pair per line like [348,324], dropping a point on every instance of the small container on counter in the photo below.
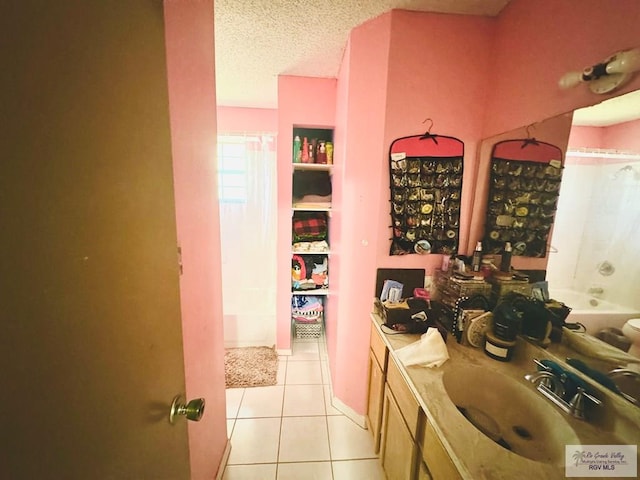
[497,348]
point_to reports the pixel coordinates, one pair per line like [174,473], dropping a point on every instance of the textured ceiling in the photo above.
[257,40]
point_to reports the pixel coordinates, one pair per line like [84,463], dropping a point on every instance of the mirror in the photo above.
[593,256]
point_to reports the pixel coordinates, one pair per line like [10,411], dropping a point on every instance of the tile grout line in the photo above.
[284,392]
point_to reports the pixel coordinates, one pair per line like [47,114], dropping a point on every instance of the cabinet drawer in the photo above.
[379,348]
[434,455]
[406,401]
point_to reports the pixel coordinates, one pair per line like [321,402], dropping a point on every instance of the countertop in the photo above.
[475,455]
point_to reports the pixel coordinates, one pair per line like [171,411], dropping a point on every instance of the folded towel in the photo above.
[429,351]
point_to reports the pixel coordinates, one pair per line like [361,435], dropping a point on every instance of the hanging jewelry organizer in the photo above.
[523,195]
[426,186]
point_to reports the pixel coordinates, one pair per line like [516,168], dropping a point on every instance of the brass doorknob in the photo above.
[194,410]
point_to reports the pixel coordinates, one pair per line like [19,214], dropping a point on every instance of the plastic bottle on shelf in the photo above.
[505,262]
[329,148]
[297,149]
[305,150]
[313,149]
[477,257]
[321,156]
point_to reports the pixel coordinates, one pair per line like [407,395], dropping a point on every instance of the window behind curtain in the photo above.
[247,199]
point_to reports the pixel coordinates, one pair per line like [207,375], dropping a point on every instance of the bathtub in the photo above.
[594,313]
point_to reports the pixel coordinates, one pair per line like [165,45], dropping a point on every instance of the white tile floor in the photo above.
[290,431]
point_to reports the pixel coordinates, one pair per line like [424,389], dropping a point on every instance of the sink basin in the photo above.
[510,412]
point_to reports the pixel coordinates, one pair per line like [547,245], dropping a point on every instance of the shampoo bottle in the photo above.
[297,149]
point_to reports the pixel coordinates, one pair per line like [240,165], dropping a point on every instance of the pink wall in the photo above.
[437,69]
[538,42]
[623,136]
[302,102]
[238,119]
[192,102]
[469,75]
[335,234]
[360,136]
[582,137]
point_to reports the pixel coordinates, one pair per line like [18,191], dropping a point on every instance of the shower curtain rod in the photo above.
[603,154]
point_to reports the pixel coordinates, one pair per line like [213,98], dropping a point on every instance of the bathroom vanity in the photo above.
[478,418]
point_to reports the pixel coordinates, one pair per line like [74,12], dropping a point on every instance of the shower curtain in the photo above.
[597,227]
[247,199]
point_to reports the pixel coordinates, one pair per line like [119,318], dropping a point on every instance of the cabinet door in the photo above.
[398,450]
[376,392]
[434,455]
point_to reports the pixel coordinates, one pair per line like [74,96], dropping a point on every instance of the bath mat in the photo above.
[250,367]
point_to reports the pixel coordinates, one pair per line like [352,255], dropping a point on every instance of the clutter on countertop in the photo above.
[391,291]
[430,351]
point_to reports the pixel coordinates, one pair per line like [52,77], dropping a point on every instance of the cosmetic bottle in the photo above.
[477,258]
[297,149]
[505,262]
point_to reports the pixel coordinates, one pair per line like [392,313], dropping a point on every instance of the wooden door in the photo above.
[90,330]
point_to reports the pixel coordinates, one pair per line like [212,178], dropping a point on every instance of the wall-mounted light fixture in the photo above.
[608,75]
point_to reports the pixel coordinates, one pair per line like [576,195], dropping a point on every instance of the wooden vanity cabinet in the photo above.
[408,446]
[378,355]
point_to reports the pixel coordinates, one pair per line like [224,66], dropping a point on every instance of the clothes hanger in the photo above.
[428,135]
[529,140]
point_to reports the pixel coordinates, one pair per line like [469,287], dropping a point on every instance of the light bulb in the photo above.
[570,79]
[625,62]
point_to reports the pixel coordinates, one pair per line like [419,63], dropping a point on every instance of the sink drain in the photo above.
[522,432]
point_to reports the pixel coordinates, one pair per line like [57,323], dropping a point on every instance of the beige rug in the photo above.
[250,367]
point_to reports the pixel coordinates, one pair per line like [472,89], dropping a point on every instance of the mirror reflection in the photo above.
[594,264]
[593,257]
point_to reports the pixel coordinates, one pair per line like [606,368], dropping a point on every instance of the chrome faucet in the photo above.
[625,372]
[551,386]
[548,379]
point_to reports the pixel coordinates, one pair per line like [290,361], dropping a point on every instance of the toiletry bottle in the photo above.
[321,156]
[477,257]
[505,262]
[329,148]
[297,149]
[305,151]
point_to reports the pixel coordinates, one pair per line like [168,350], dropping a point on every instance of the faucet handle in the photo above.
[576,405]
[593,399]
[541,365]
